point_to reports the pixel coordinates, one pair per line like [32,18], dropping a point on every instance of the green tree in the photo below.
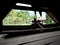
[16,17]
[48,19]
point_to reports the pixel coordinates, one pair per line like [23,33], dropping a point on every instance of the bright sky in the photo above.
[44,15]
[38,14]
[31,13]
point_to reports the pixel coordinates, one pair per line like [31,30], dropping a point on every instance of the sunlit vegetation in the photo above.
[23,17]
[49,20]
[18,17]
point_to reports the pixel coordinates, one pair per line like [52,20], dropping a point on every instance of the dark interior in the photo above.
[42,5]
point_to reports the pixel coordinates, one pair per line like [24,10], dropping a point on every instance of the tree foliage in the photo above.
[22,17]
[48,19]
[18,17]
